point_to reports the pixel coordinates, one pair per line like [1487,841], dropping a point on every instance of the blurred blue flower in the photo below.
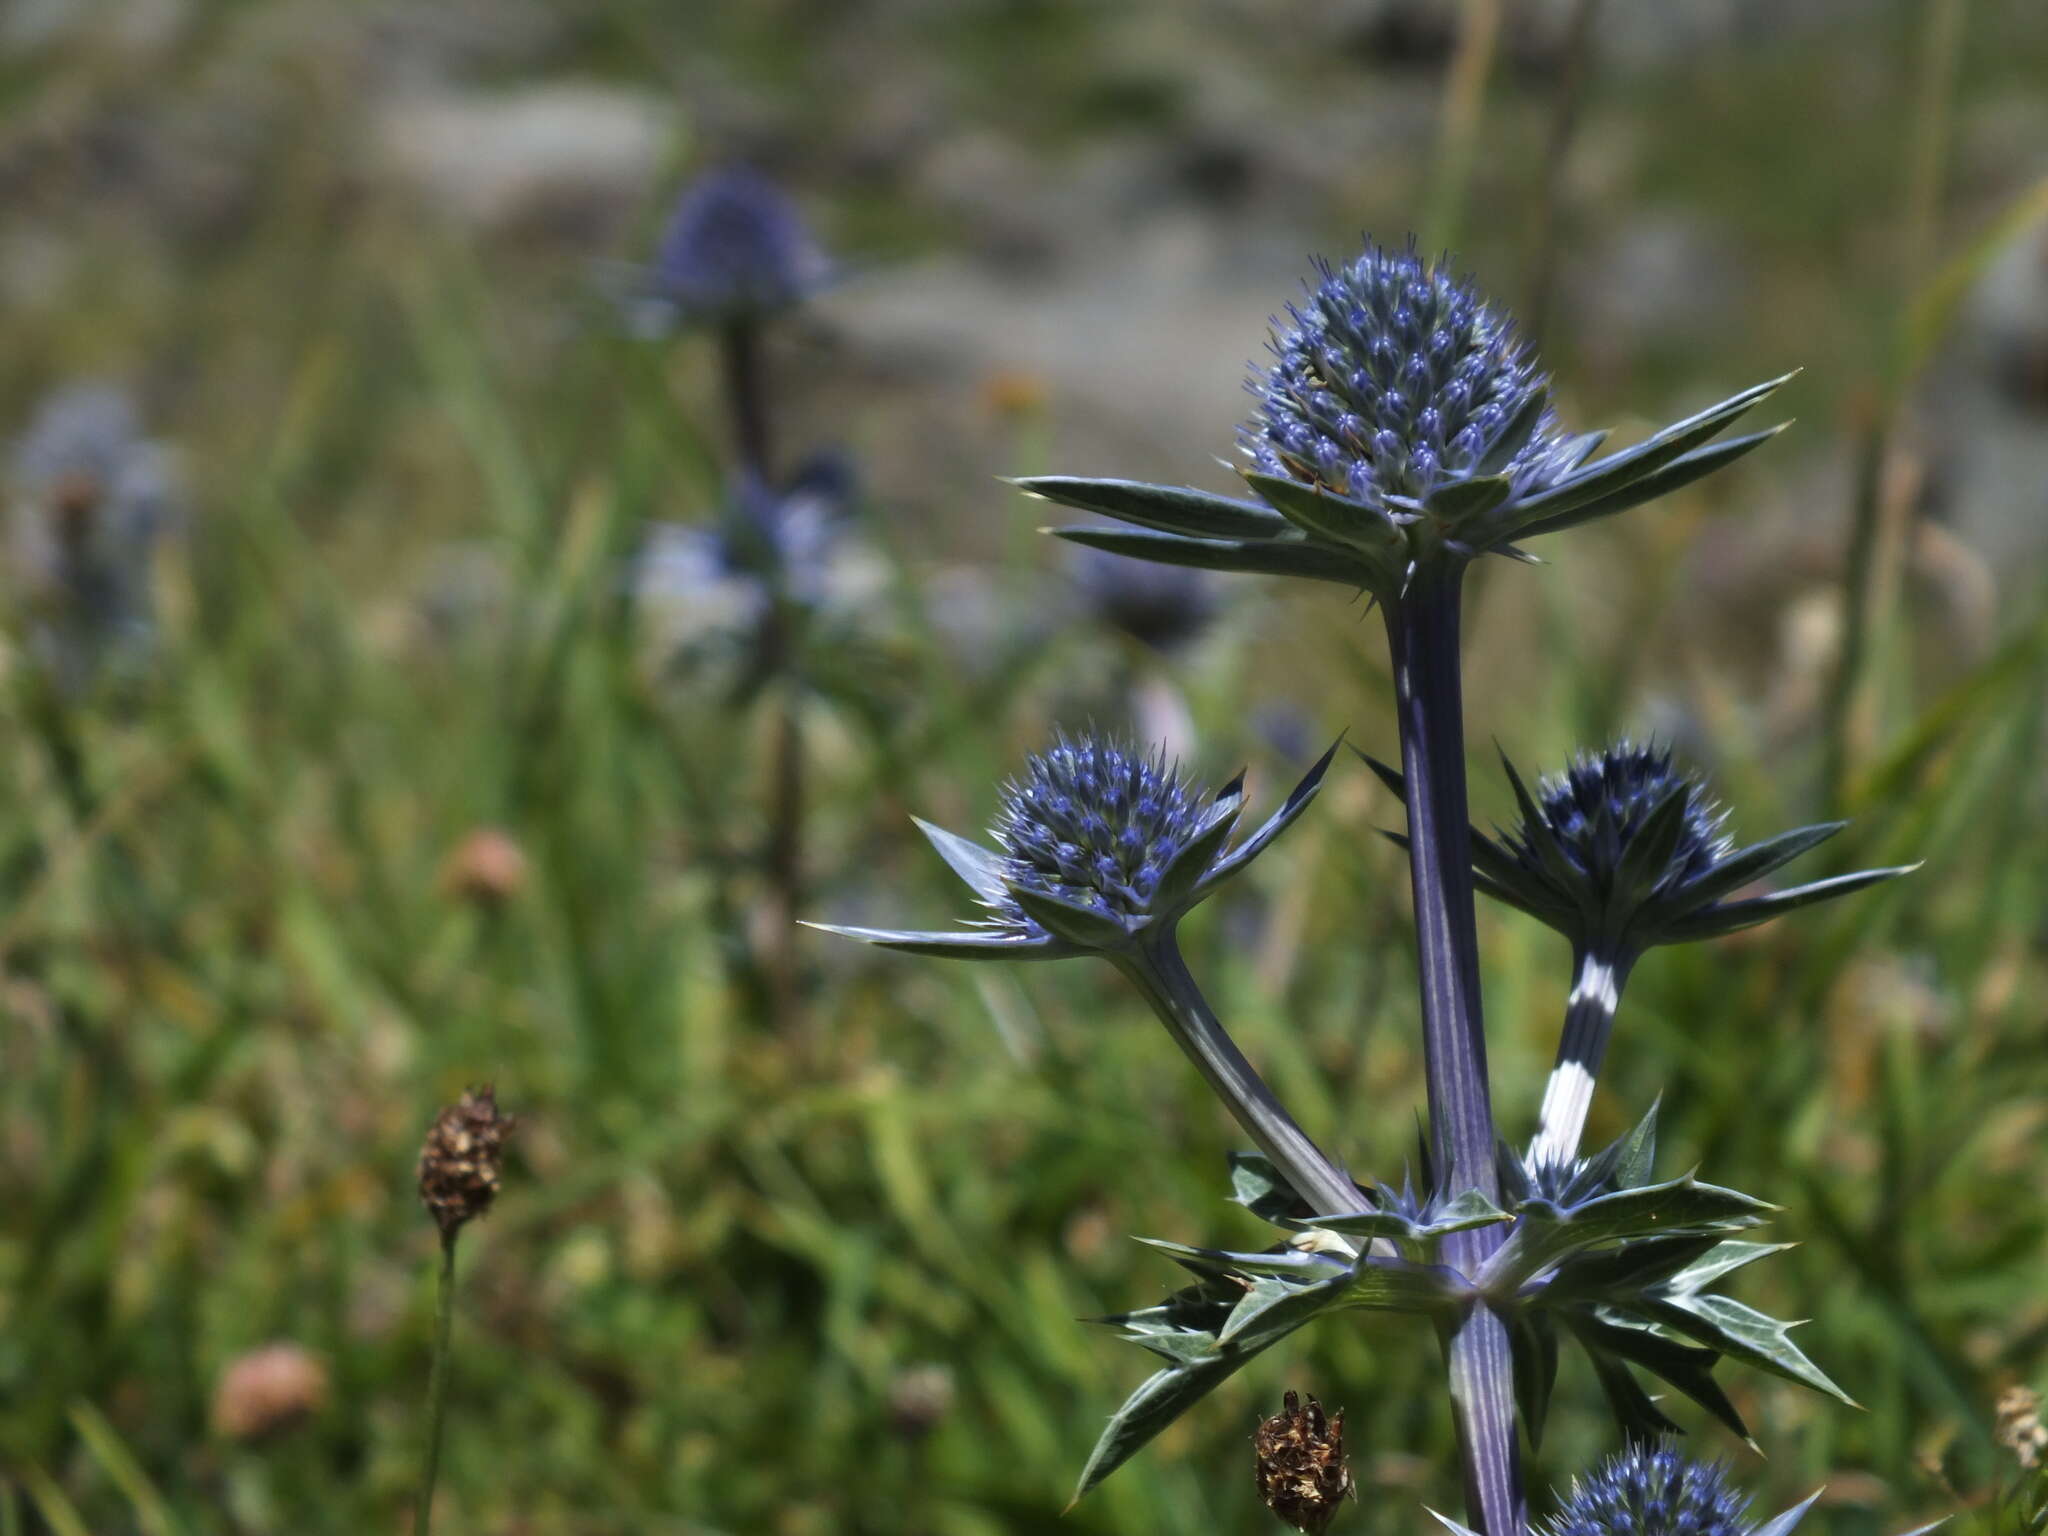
[709,593]
[736,248]
[91,500]
[1164,607]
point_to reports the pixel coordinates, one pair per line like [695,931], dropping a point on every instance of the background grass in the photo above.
[236,985]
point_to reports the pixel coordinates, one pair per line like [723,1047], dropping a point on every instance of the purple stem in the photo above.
[1422,636]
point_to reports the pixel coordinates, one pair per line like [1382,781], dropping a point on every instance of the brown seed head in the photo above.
[919,1399]
[459,1161]
[268,1391]
[2020,1429]
[487,867]
[1301,1471]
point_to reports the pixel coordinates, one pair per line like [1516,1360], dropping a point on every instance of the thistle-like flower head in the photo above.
[1653,1490]
[1098,842]
[1400,428]
[1624,851]
[1598,813]
[1095,822]
[736,247]
[1395,378]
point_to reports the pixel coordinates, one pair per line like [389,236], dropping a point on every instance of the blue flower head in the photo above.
[1624,851]
[1395,378]
[1095,822]
[736,247]
[1097,843]
[1599,810]
[1401,428]
[1652,1490]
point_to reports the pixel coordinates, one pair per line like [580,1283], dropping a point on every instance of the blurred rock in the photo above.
[1662,278]
[561,155]
[1985,406]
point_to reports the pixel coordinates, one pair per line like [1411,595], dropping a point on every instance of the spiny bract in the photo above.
[1095,822]
[1651,1490]
[1395,377]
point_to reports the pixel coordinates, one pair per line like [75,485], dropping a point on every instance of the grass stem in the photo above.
[437,1384]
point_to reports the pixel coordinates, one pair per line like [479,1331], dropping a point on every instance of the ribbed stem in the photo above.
[1422,636]
[1162,976]
[1422,633]
[1589,1012]
[437,1385]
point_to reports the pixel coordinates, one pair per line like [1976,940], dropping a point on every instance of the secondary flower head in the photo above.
[1652,1490]
[1096,823]
[736,247]
[1624,851]
[1401,428]
[92,498]
[1598,815]
[1395,378]
[1097,841]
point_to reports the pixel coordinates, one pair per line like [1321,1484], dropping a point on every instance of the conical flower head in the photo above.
[1097,841]
[1096,823]
[1395,378]
[1401,429]
[1624,851]
[1652,1490]
[1599,812]
[736,246]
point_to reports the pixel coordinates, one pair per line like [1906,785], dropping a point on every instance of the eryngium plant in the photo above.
[1400,433]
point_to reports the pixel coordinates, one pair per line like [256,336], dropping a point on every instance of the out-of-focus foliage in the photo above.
[352,263]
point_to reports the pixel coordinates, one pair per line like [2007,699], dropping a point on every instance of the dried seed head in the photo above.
[488,867]
[919,1399]
[2020,1429]
[268,1391]
[1301,1472]
[459,1161]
